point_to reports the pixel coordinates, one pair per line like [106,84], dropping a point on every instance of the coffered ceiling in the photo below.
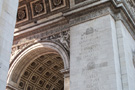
[30,11]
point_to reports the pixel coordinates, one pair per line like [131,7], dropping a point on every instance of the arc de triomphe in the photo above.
[67,44]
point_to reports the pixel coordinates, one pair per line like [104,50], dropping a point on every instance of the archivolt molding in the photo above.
[18,48]
[63,38]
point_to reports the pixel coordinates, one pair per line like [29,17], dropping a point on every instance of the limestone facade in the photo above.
[8,10]
[89,44]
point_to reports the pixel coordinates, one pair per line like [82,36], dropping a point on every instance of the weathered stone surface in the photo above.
[126,46]
[102,49]
[92,63]
[8,9]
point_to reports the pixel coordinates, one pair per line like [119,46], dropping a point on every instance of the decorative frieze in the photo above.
[62,38]
[17,48]
[53,32]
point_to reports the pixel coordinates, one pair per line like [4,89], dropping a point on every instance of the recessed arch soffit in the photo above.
[43,74]
[30,11]
[37,49]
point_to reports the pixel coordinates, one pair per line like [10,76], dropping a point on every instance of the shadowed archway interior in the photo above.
[43,74]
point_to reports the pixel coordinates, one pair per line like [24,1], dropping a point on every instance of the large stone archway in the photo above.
[47,58]
[42,74]
[101,44]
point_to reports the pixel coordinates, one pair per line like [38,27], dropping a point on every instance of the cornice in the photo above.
[80,15]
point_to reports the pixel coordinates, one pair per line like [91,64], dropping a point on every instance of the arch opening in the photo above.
[38,67]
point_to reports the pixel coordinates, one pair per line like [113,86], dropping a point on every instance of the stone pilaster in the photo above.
[94,62]
[8,10]
[66,79]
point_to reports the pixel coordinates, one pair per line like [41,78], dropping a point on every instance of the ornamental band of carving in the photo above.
[62,38]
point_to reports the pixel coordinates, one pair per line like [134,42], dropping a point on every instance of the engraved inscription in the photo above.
[90,49]
[92,65]
[89,44]
[94,82]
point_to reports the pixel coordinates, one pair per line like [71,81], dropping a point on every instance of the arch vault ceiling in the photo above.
[43,74]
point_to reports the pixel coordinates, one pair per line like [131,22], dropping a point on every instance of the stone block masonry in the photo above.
[92,62]
[8,10]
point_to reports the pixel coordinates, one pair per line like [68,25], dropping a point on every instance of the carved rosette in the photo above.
[22,14]
[38,8]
